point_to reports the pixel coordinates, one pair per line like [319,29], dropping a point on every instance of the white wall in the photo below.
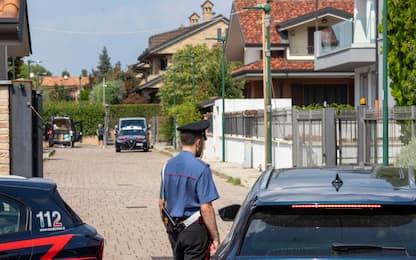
[248,152]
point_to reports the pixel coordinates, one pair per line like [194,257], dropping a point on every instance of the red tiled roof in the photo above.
[9,8]
[61,81]
[277,64]
[281,10]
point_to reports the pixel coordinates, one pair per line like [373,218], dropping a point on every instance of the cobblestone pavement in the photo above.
[117,193]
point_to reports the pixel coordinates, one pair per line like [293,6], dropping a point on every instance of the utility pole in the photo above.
[266,81]
[174,104]
[193,74]
[105,115]
[222,39]
[385,90]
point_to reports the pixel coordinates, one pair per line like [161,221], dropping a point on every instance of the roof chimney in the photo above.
[194,19]
[207,10]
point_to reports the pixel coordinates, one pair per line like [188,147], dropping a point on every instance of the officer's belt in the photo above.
[191,219]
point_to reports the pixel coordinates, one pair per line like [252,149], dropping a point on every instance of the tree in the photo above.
[207,77]
[84,73]
[65,73]
[114,92]
[15,69]
[208,83]
[104,64]
[401,31]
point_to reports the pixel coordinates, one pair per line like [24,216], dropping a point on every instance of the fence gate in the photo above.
[307,138]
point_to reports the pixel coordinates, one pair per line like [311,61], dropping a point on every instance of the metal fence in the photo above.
[326,136]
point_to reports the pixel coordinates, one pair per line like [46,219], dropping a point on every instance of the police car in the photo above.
[36,223]
[354,212]
[132,138]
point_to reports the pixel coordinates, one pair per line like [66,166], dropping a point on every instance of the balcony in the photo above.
[346,45]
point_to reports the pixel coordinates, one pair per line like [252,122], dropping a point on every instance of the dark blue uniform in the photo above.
[187,184]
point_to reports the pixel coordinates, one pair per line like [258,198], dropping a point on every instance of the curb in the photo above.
[47,153]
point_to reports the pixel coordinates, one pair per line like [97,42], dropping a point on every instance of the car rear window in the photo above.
[61,124]
[284,231]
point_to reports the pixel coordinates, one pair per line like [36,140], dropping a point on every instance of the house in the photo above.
[14,32]
[292,27]
[73,84]
[155,60]
[356,50]
[18,153]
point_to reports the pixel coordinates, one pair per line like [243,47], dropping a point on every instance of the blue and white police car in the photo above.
[325,213]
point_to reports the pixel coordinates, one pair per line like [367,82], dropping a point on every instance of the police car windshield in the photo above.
[132,132]
[281,231]
[132,122]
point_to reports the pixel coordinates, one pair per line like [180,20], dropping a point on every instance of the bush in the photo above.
[133,110]
[89,114]
[184,114]
[93,114]
[407,156]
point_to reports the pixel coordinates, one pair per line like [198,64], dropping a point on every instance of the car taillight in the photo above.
[123,139]
[49,131]
[335,206]
[139,139]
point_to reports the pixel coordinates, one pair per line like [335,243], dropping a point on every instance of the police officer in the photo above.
[186,192]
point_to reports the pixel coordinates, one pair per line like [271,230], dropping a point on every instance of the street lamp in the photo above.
[106,114]
[104,85]
[222,40]
[266,79]
[28,66]
[37,79]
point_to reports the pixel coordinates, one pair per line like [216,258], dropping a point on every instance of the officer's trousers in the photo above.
[192,243]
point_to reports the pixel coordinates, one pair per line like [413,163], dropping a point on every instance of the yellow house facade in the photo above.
[154,61]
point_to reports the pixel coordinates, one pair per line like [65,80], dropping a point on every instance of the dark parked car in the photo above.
[132,138]
[63,130]
[36,223]
[355,212]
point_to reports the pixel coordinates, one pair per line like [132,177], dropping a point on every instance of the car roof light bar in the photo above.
[343,206]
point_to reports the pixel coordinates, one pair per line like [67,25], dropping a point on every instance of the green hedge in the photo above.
[93,114]
[133,110]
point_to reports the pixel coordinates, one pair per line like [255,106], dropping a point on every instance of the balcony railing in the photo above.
[347,34]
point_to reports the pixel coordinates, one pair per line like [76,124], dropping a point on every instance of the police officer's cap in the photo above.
[195,128]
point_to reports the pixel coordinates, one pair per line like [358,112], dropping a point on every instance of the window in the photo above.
[12,216]
[318,94]
[163,63]
[281,231]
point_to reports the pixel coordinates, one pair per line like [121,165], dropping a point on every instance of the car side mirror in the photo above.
[229,213]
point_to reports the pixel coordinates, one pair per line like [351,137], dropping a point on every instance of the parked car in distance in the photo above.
[132,138]
[133,121]
[325,213]
[63,130]
[36,223]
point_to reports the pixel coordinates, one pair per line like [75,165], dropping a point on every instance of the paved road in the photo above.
[117,193]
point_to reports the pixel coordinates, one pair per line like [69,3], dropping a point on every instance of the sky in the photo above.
[70,35]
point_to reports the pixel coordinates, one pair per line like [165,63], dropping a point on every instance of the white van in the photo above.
[133,121]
